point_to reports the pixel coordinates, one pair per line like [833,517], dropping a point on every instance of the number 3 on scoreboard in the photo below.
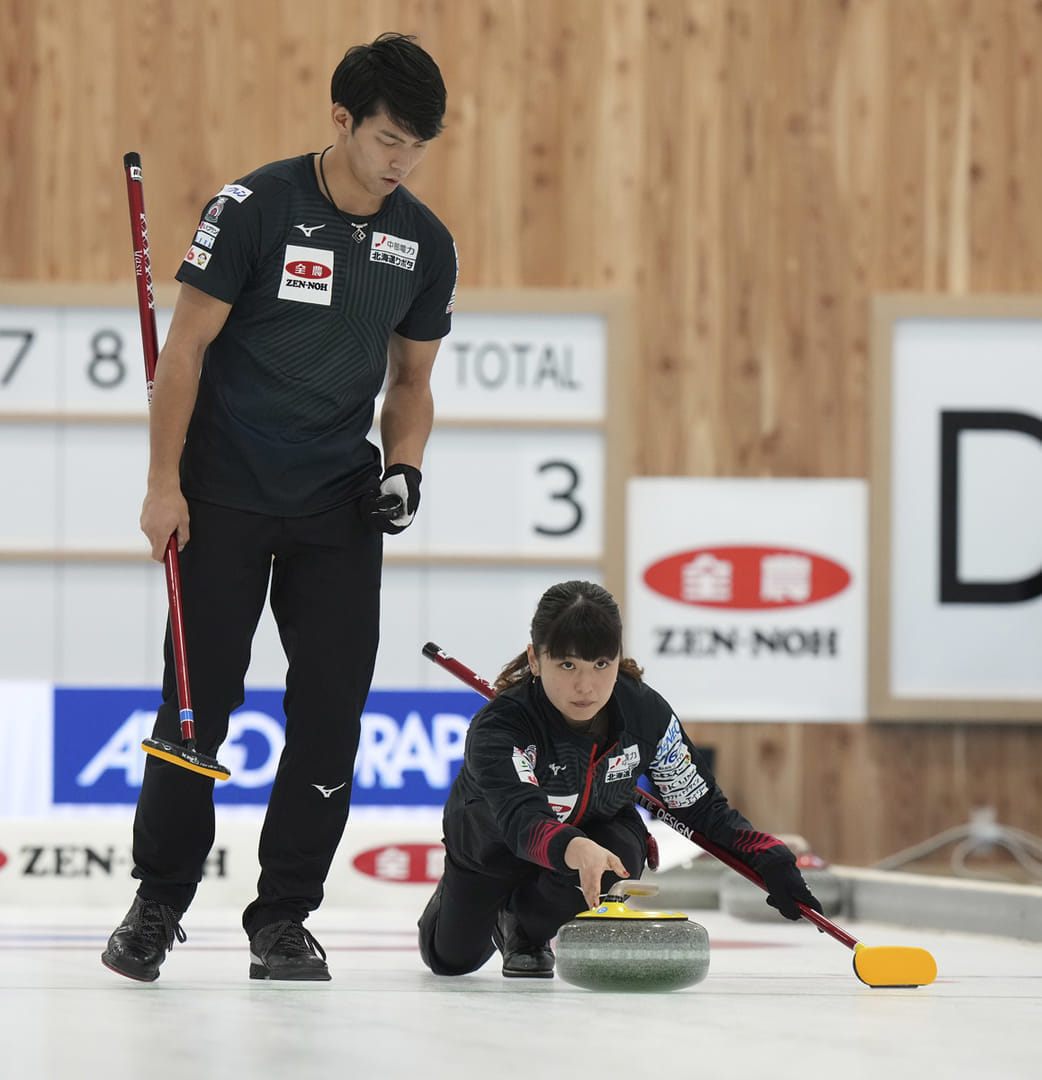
[565,492]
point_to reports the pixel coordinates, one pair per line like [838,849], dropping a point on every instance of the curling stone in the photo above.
[744,900]
[617,948]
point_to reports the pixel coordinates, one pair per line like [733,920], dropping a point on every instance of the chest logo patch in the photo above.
[394,251]
[622,765]
[307,275]
[562,805]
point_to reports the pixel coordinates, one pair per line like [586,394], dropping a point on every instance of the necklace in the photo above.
[359,227]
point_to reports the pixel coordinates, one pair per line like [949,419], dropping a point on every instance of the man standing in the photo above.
[307,282]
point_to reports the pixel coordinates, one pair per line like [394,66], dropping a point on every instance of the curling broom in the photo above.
[184,754]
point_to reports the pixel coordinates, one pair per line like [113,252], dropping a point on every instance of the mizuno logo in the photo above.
[555,768]
[326,792]
[307,230]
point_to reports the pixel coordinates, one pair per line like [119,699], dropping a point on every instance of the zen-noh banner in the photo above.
[746,599]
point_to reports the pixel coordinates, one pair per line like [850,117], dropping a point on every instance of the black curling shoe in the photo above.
[285,950]
[140,943]
[522,958]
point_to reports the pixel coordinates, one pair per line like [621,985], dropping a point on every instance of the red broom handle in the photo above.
[150,343]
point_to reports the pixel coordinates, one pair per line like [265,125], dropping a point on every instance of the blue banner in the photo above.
[409,753]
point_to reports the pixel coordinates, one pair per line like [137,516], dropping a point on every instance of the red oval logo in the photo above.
[3,859]
[304,268]
[747,578]
[403,862]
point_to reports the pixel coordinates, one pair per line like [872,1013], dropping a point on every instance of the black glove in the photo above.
[393,506]
[786,888]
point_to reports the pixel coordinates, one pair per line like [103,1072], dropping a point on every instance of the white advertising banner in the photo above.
[962,610]
[385,860]
[745,599]
[26,747]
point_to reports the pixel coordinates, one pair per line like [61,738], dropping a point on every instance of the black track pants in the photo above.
[324,574]
[455,930]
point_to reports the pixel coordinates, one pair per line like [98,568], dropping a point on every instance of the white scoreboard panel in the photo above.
[523,484]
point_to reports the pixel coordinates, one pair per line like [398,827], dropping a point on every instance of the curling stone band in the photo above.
[617,948]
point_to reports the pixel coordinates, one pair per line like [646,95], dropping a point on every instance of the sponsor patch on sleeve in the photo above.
[197,256]
[523,764]
[215,209]
[674,773]
[236,192]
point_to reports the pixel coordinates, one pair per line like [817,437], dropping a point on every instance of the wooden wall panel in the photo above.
[859,793]
[752,170]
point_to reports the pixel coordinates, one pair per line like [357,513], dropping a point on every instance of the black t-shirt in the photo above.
[287,388]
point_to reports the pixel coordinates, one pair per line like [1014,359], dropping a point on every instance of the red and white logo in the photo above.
[747,578]
[309,271]
[197,257]
[307,275]
[394,250]
[563,805]
[402,862]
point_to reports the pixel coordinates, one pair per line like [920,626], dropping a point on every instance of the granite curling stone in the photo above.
[617,948]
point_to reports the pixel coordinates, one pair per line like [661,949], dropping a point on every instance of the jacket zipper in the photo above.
[589,780]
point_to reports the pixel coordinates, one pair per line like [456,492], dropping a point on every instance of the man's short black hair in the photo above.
[394,74]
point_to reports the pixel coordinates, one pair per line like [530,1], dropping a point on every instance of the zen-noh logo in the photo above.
[306,268]
[747,578]
[403,862]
